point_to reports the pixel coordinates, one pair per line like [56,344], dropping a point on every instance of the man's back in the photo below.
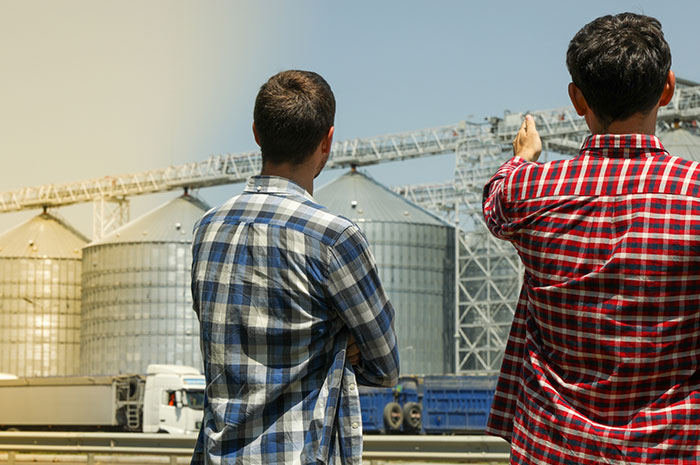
[277,283]
[608,341]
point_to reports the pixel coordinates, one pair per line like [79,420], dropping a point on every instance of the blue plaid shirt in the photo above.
[279,284]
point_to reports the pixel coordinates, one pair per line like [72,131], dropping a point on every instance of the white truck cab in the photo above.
[173,400]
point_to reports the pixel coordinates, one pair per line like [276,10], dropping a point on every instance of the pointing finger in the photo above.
[523,127]
[530,124]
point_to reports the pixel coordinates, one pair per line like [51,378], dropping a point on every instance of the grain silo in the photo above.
[414,251]
[40,264]
[137,304]
[682,142]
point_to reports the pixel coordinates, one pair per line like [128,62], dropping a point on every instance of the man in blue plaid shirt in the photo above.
[291,310]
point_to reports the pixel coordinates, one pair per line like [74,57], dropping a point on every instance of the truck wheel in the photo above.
[393,416]
[412,416]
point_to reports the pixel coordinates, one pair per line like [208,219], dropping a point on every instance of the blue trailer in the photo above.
[429,405]
[383,408]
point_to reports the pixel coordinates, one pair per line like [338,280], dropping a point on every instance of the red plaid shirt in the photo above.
[602,363]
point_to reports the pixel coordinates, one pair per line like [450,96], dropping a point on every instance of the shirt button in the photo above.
[354,425]
[259,188]
[351,387]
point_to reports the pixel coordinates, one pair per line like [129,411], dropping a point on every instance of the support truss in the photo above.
[108,214]
[489,272]
[232,168]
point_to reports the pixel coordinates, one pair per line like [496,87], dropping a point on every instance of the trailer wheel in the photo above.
[412,416]
[393,416]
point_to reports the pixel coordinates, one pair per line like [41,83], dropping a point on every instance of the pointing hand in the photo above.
[527,144]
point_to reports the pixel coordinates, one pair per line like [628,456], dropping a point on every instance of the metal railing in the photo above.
[462,449]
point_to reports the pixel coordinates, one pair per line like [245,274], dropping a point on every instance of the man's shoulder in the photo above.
[607,173]
[323,224]
[300,214]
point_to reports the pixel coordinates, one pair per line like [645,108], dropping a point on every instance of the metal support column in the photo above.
[108,214]
[489,273]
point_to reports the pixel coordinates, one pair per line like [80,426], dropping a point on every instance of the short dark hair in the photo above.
[620,64]
[293,112]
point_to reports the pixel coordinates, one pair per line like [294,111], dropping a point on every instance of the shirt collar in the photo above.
[622,145]
[275,185]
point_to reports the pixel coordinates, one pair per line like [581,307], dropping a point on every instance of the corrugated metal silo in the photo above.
[40,263]
[137,304]
[414,251]
[681,142]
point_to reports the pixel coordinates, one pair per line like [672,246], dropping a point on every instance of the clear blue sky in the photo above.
[101,88]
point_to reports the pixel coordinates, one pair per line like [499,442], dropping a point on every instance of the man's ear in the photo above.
[326,144]
[577,99]
[327,141]
[255,133]
[669,89]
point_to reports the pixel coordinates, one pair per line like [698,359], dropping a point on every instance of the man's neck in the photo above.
[298,174]
[639,123]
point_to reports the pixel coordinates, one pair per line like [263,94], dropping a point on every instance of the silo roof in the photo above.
[42,236]
[360,198]
[171,222]
[682,143]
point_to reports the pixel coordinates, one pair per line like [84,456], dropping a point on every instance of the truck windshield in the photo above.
[195,399]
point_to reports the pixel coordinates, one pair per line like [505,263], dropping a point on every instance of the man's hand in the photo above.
[527,144]
[352,353]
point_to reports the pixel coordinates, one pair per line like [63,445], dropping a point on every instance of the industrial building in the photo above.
[135,277]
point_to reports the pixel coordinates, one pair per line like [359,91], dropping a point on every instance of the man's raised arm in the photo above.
[527,147]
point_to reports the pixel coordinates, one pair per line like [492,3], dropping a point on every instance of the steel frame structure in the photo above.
[488,271]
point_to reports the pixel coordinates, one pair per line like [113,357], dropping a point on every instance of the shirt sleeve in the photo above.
[359,298]
[198,454]
[504,406]
[194,285]
[495,199]
[505,400]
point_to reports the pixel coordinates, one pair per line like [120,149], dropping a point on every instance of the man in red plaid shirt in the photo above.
[602,363]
